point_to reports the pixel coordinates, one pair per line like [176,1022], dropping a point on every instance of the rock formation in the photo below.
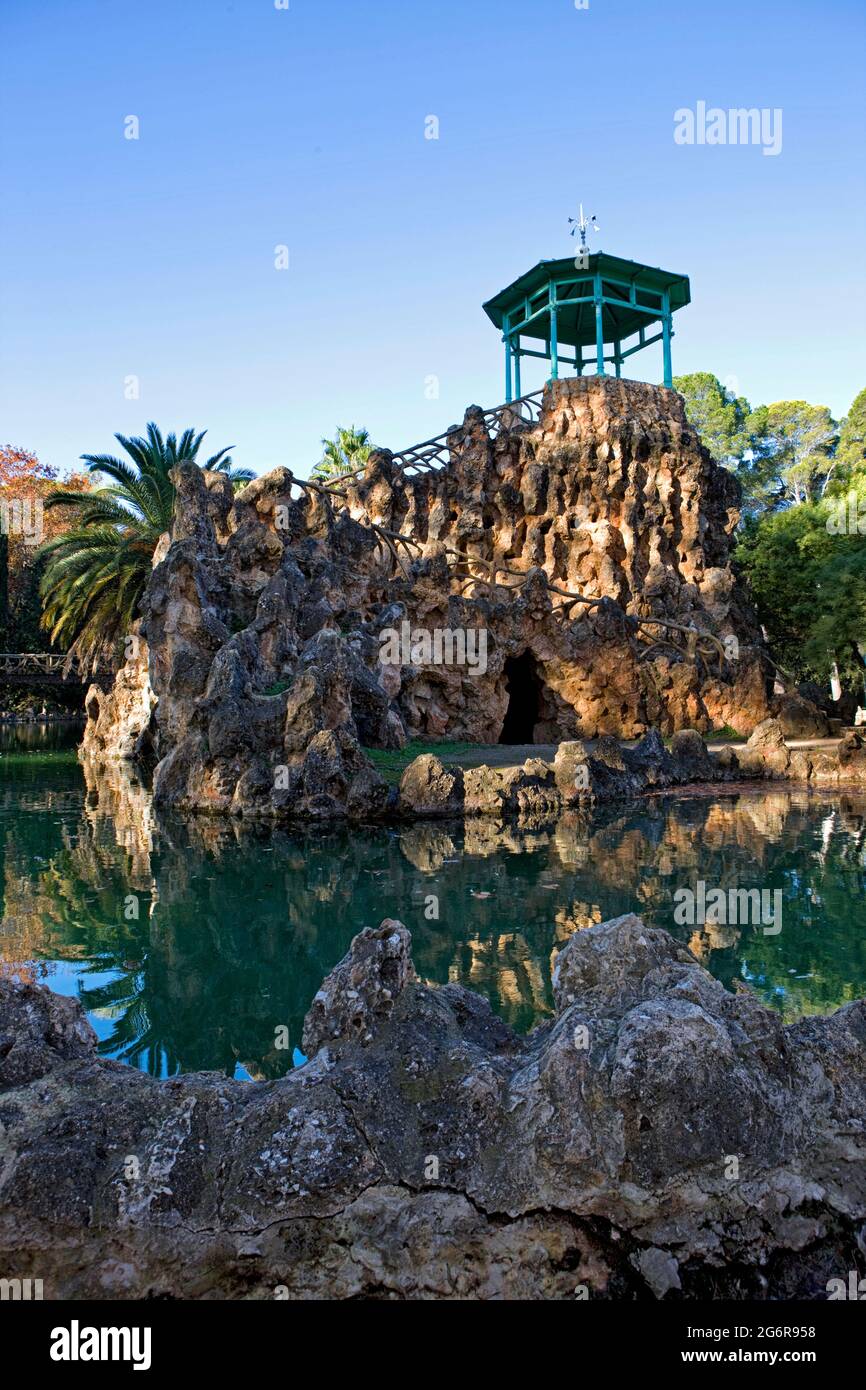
[661,1137]
[610,495]
[587,553]
[607,770]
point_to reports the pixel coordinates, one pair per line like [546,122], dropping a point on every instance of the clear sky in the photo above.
[305,127]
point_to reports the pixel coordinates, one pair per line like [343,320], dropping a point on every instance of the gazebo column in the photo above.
[617,358]
[554,341]
[599,328]
[667,334]
[517,392]
[507,340]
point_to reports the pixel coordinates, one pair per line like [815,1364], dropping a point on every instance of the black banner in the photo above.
[165,1336]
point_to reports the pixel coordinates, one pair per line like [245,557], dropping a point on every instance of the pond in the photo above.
[196,945]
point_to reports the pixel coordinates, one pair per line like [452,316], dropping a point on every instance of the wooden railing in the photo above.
[435,453]
[27,665]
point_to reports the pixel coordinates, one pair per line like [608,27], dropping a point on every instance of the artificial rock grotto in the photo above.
[591,545]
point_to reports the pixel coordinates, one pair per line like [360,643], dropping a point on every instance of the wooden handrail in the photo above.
[435,453]
[38,663]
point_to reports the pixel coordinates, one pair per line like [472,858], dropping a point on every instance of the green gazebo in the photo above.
[596,301]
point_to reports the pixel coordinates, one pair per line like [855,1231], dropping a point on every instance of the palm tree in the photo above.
[95,572]
[345,453]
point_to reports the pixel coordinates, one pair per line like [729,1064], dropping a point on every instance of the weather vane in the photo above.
[579,225]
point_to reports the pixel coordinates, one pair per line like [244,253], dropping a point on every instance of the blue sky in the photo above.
[305,127]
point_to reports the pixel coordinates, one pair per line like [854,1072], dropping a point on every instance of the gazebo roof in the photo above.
[575,320]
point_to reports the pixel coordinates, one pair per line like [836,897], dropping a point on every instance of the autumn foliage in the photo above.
[25,483]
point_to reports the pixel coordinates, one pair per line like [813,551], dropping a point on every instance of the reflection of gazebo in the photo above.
[605,301]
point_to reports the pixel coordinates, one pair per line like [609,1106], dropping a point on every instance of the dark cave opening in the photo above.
[523,684]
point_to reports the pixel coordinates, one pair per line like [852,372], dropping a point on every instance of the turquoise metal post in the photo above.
[507,341]
[554,344]
[616,356]
[517,369]
[666,338]
[599,328]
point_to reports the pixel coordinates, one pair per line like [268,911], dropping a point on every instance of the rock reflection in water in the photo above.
[192,943]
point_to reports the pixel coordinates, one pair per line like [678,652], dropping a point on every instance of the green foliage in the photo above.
[96,571]
[21,630]
[777,553]
[809,586]
[345,453]
[807,571]
[782,453]
[392,762]
[726,423]
[851,451]
[798,456]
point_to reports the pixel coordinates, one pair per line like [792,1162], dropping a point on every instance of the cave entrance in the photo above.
[524,686]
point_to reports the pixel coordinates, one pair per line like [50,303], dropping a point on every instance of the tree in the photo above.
[798,455]
[345,453]
[25,485]
[777,552]
[726,423]
[809,586]
[851,451]
[729,427]
[837,635]
[95,572]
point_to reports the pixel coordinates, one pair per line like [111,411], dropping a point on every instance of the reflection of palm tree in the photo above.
[134,1039]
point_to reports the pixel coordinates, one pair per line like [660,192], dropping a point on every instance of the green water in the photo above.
[190,944]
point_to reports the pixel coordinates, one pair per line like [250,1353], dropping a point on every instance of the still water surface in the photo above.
[190,944]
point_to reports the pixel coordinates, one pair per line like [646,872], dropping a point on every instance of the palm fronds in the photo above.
[348,450]
[95,572]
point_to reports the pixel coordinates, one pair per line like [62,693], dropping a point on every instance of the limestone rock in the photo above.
[39,1031]
[690,751]
[800,718]
[267,615]
[119,720]
[427,788]
[426,1151]
[766,753]
[360,992]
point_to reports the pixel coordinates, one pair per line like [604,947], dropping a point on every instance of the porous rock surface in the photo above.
[609,494]
[660,1138]
[258,681]
[608,770]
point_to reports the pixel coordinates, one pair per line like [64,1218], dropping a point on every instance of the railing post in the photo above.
[599,327]
[554,342]
[666,338]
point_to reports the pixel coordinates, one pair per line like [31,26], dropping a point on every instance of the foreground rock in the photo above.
[661,1137]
